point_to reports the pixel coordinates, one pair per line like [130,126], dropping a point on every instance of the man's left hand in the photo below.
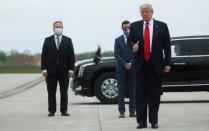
[167,69]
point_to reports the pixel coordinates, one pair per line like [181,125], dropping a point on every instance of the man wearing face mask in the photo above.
[125,77]
[57,64]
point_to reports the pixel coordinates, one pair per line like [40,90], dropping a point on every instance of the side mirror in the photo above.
[97,56]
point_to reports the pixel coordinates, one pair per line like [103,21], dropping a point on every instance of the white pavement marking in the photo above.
[21,88]
[10,81]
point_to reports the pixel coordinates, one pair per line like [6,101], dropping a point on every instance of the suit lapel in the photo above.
[123,40]
[141,32]
[61,42]
[53,43]
[124,44]
[155,29]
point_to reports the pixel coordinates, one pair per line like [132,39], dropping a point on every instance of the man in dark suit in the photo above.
[125,76]
[57,64]
[152,56]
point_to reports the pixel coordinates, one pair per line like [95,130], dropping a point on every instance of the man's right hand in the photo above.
[136,47]
[45,74]
[128,66]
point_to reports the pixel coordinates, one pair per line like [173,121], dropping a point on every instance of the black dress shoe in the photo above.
[154,126]
[50,114]
[142,125]
[65,114]
[122,115]
[132,114]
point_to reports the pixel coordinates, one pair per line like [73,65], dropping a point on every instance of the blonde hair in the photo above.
[145,6]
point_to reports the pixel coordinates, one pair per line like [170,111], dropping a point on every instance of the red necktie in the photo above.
[146,42]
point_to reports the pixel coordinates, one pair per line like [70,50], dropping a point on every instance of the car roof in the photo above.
[190,37]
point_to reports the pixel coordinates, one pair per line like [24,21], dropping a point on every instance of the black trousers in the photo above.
[52,81]
[148,92]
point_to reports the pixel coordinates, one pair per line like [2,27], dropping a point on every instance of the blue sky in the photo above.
[25,23]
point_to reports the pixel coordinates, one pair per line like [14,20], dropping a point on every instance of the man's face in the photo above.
[146,14]
[57,25]
[126,27]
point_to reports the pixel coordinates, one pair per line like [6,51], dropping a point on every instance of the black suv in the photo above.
[190,71]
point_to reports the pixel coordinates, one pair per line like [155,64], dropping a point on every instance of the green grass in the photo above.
[20,70]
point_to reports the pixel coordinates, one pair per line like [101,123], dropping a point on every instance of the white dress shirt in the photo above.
[55,38]
[151,25]
[125,38]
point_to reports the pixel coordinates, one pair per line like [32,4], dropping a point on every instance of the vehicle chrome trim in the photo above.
[190,38]
[184,85]
[82,68]
[179,63]
[190,56]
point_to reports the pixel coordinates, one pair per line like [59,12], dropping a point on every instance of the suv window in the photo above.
[197,46]
[206,47]
[180,48]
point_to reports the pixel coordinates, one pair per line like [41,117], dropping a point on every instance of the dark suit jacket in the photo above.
[160,43]
[122,53]
[62,59]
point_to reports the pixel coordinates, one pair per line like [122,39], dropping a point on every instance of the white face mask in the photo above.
[58,31]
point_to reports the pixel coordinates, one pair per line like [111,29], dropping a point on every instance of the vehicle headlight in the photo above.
[82,68]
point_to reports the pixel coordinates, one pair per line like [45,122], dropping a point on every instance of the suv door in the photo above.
[178,77]
[206,64]
[196,63]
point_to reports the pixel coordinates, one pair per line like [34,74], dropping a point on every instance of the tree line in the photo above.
[26,58]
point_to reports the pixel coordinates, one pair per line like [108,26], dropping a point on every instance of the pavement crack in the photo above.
[99,115]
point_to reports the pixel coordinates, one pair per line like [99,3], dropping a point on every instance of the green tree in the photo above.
[107,54]
[3,56]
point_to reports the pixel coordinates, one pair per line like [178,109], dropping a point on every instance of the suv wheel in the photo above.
[106,89]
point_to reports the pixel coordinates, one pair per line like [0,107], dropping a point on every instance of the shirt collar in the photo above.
[59,36]
[125,36]
[150,22]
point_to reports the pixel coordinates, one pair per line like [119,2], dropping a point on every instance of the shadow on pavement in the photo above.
[185,101]
[89,103]
[162,102]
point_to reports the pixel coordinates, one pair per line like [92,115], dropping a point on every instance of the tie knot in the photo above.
[147,23]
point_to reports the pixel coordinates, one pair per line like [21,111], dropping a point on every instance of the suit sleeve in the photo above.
[117,54]
[130,38]
[44,56]
[167,47]
[71,56]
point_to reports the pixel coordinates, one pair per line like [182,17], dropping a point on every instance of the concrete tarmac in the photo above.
[27,111]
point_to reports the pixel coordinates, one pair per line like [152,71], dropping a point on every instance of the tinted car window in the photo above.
[206,58]
[206,46]
[197,46]
[180,48]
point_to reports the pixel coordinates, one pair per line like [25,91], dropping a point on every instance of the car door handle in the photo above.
[182,63]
